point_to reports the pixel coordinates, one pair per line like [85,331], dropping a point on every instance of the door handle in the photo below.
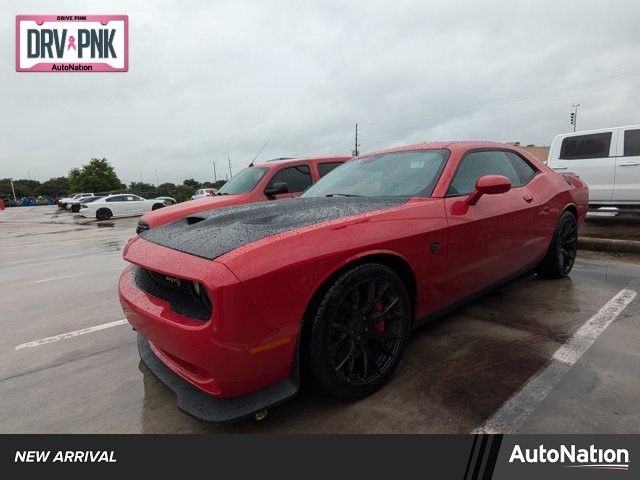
[630,164]
[560,168]
[527,198]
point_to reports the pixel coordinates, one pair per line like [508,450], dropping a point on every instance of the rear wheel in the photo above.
[563,249]
[104,214]
[358,332]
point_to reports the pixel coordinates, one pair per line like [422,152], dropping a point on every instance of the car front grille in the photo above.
[184,296]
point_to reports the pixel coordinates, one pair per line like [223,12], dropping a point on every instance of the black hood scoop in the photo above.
[216,232]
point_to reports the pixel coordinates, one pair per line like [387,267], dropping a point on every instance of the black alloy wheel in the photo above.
[359,331]
[562,252]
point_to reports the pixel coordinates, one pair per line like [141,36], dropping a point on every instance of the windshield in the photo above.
[243,181]
[397,174]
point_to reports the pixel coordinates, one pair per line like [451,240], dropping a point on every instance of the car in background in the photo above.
[75,205]
[233,307]
[64,202]
[272,180]
[204,192]
[168,201]
[119,205]
[607,159]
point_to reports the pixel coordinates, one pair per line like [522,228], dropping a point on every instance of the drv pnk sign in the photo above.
[72,43]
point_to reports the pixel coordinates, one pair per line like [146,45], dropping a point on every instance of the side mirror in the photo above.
[277,189]
[489,185]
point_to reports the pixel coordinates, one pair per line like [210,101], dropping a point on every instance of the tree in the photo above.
[54,187]
[191,183]
[96,176]
[142,189]
[23,187]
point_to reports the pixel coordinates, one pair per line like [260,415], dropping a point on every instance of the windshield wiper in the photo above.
[342,195]
[222,193]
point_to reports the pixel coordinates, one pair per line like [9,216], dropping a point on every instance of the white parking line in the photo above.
[510,417]
[64,336]
[62,277]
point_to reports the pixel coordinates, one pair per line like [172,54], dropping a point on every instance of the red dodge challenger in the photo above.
[236,306]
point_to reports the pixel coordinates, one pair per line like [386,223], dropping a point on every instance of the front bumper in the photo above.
[232,354]
[202,406]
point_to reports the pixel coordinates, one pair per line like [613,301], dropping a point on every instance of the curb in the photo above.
[609,245]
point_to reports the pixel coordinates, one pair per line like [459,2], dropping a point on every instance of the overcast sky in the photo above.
[210,79]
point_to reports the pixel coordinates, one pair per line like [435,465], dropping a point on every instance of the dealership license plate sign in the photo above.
[72,43]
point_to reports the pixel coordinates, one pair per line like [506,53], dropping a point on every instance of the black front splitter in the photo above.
[205,407]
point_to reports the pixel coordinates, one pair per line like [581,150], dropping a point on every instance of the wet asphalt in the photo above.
[59,275]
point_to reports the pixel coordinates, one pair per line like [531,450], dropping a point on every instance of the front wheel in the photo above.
[156,206]
[563,249]
[358,332]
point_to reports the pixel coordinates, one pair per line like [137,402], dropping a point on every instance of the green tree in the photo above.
[23,187]
[142,189]
[191,183]
[96,176]
[54,187]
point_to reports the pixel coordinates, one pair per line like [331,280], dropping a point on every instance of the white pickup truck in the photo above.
[608,160]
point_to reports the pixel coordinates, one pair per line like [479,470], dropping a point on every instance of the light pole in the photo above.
[14,191]
[215,174]
[574,116]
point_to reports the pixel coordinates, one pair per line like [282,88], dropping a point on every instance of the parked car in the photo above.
[120,205]
[272,180]
[204,192]
[75,205]
[608,160]
[234,305]
[167,200]
[64,202]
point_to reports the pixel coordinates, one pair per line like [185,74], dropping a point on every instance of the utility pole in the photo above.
[215,175]
[14,191]
[229,159]
[28,174]
[356,152]
[156,178]
[574,116]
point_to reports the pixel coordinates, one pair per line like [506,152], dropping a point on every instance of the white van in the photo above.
[608,160]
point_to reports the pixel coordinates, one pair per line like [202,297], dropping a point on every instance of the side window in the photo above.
[595,145]
[297,178]
[632,143]
[478,164]
[523,169]
[119,198]
[324,168]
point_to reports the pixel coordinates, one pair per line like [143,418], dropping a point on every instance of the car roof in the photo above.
[451,145]
[294,161]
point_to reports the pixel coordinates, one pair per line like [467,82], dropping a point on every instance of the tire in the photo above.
[562,252]
[104,214]
[357,333]
[156,206]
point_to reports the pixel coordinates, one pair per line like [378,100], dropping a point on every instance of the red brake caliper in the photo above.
[377,308]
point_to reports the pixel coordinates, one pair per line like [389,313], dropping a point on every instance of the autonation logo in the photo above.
[574,457]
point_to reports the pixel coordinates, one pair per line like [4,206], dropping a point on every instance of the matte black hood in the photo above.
[215,232]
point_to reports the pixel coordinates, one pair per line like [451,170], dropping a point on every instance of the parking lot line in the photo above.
[64,336]
[512,414]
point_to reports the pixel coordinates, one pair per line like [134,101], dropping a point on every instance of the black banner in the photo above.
[467,457]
